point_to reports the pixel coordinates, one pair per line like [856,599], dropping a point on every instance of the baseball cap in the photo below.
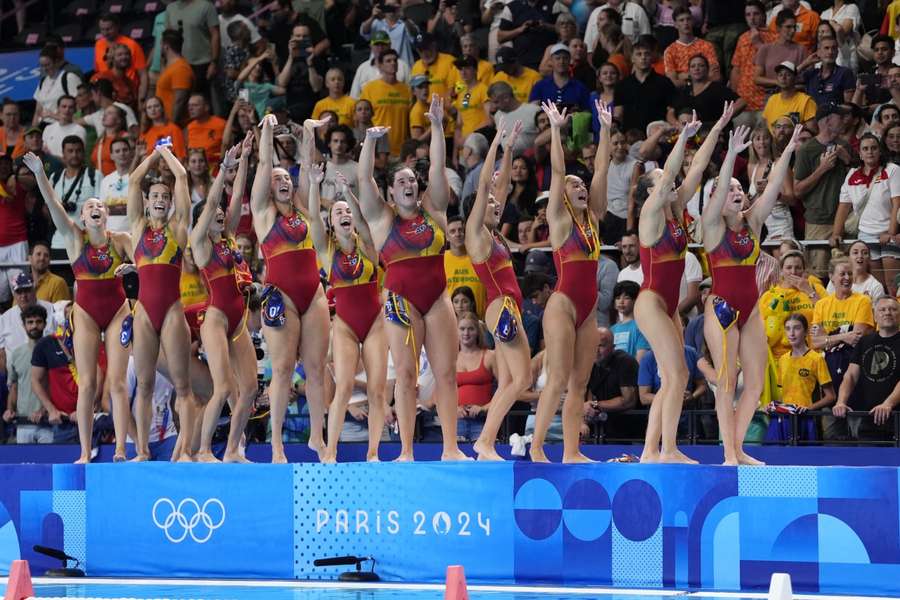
[34,129]
[23,281]
[826,110]
[425,40]
[465,61]
[380,37]
[556,48]
[417,80]
[787,65]
[505,56]
[538,261]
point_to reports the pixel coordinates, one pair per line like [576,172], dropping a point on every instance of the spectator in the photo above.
[13,238]
[12,138]
[64,126]
[703,95]
[437,66]
[819,170]
[122,76]
[884,116]
[626,335]
[22,403]
[463,301]
[794,293]
[301,75]
[34,142]
[608,77]
[114,119]
[75,183]
[807,21]
[779,223]
[22,188]
[472,160]
[618,188]
[612,390]
[57,79]
[114,186]
[103,94]
[891,140]
[693,331]
[155,125]
[337,99]
[509,70]
[469,46]
[566,31]
[110,37]
[12,329]
[870,383]
[476,370]
[236,56]
[258,79]
[678,55]
[176,81]
[788,100]
[873,87]
[829,83]
[634,21]
[390,100]
[48,286]
[419,126]
[743,62]
[649,380]
[228,14]
[646,93]
[529,25]
[458,266]
[386,17]
[447,26]
[471,100]
[163,433]
[340,166]
[204,130]
[199,25]
[607,273]
[559,87]
[509,110]
[631,258]
[846,20]
[368,70]
[775,53]
[863,281]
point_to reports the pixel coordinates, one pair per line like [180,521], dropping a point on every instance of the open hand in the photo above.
[376,132]
[727,114]
[692,127]
[739,140]
[435,112]
[603,113]
[557,119]
[316,173]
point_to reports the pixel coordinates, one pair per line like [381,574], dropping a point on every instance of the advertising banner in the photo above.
[19,72]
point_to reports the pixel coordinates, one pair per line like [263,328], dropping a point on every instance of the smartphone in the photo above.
[244,95]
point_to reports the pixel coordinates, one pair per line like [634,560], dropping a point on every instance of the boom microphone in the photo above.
[339,560]
[53,553]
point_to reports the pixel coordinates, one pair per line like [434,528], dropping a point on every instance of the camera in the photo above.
[69,206]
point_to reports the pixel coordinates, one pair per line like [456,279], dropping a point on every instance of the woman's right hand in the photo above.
[727,114]
[557,119]
[738,140]
[33,162]
[376,132]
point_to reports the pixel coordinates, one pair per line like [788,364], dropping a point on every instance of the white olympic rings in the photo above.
[177,518]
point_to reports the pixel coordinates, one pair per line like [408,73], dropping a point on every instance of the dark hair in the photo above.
[681,10]
[785,15]
[642,191]
[533,283]
[700,56]
[407,148]
[827,24]
[454,218]
[35,310]
[465,291]
[37,243]
[629,288]
[120,140]
[882,149]
[61,98]
[72,139]
[173,39]
[108,16]
[647,42]
[613,15]
[798,318]
[104,87]
[757,4]
[882,39]
[631,232]
[885,107]
[386,53]
[348,133]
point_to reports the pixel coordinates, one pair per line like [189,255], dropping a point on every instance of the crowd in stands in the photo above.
[212,71]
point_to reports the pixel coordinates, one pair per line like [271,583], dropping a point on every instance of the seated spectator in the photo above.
[873,85]
[48,286]
[447,27]
[560,87]
[863,281]
[204,130]
[784,48]
[103,94]
[469,47]
[114,187]
[649,380]
[608,77]
[176,81]
[529,26]
[872,376]
[76,182]
[788,101]
[891,140]
[805,384]
[807,21]
[57,79]
[337,99]
[884,116]
[829,83]
[780,222]
[258,79]
[368,70]
[472,156]
[12,134]
[419,126]
[12,331]
[703,95]
[22,402]
[647,94]
[626,335]
[476,371]
[794,294]
[114,119]
[509,110]
[34,142]
[122,76]
[509,70]
[634,21]
[110,37]
[743,61]
[63,127]
[566,31]
[618,187]
[678,55]
[612,390]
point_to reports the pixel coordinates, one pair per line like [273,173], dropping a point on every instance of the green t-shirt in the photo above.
[820,203]
[260,94]
[193,18]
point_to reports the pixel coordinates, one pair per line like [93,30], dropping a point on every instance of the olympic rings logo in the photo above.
[187,519]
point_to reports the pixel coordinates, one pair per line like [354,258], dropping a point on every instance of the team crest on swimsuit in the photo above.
[348,266]
[419,233]
[154,242]
[100,259]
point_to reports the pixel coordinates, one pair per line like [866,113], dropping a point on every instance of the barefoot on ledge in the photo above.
[457,454]
[746,459]
[537,455]
[676,457]
[577,458]
[205,457]
[405,457]
[236,457]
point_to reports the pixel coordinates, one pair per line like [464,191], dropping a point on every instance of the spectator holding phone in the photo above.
[386,16]
[529,25]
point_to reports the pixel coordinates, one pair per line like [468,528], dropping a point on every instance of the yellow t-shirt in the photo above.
[52,288]
[460,272]
[522,84]
[470,104]
[800,104]
[833,314]
[391,102]
[800,375]
[193,292]
[417,116]
[483,75]
[776,305]
[438,73]
[343,106]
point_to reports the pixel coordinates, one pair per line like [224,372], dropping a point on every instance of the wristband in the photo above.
[163,142]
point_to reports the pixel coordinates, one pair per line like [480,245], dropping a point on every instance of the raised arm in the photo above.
[64,224]
[135,206]
[556,209]
[438,188]
[701,160]
[316,221]
[259,193]
[370,202]
[601,162]
[359,222]
[307,147]
[182,193]
[712,212]
[501,186]
[233,213]
[763,206]
[475,220]
[199,234]
[659,196]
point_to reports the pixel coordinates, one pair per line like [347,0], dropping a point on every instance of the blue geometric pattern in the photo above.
[834,529]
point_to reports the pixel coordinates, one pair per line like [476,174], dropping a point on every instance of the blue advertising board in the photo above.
[19,72]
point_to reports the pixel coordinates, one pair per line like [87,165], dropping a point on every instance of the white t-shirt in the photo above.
[773,12]
[114,193]
[77,192]
[876,216]
[95,119]
[12,331]
[871,287]
[693,273]
[224,22]
[51,89]
[524,113]
[55,133]
[847,51]
[634,24]
[618,184]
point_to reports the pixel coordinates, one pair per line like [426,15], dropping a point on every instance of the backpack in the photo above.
[66,68]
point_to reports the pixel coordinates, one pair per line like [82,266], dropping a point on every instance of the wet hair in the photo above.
[150,180]
[642,190]
[799,318]
[629,288]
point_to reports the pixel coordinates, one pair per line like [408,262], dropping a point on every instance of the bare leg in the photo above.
[405,349]
[117,370]
[586,339]
[754,360]
[345,348]
[86,346]
[314,333]
[375,362]
[890,272]
[215,342]
[145,346]
[243,358]
[715,340]
[176,343]
[282,343]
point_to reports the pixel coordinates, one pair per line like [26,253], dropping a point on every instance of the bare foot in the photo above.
[730,462]
[405,457]
[187,458]
[745,459]
[372,457]
[454,455]
[142,458]
[205,456]
[577,458]
[676,457]
[328,458]
[83,460]
[485,451]
[278,457]
[319,447]
[649,457]
[235,457]
[537,455]
[120,455]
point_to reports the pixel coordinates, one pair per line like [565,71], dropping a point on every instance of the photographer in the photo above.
[302,74]
[447,27]
[386,16]
[75,183]
[529,25]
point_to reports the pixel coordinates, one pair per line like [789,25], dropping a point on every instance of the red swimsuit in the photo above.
[98,291]
[353,277]
[733,267]
[663,264]
[497,274]
[291,259]
[221,278]
[158,259]
[576,268]
[413,256]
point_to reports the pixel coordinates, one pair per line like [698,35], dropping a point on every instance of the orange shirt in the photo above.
[177,76]
[160,131]
[125,87]
[744,58]
[807,24]
[622,64]
[207,135]
[138,59]
[678,55]
[18,149]
[103,151]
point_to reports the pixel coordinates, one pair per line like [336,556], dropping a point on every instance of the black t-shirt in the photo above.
[707,103]
[530,45]
[645,102]
[879,373]
[608,378]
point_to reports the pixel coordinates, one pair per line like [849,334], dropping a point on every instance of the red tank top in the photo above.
[475,386]
[12,215]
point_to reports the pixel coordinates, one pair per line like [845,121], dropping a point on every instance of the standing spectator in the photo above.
[703,95]
[789,101]
[844,16]
[743,62]
[199,26]
[228,14]
[12,329]
[437,66]
[110,37]
[390,100]
[469,46]
[57,79]
[646,93]
[634,21]
[258,78]
[13,239]
[63,127]
[447,26]
[793,294]
[618,187]
[678,54]
[75,183]
[472,156]
[612,389]
[156,125]
[529,25]
[386,16]
[368,70]
[779,223]
[806,18]
[104,97]
[829,83]
[340,166]
[863,281]
[114,119]
[12,134]
[631,258]
[122,75]
[177,79]
[48,286]
[819,170]
[519,77]
[785,48]
[337,99]
[559,87]
[458,266]
[873,87]
[22,402]
[204,130]
[471,98]
[301,75]
[508,110]
[626,335]
[114,186]
[34,142]
[870,383]
[723,25]
[476,370]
